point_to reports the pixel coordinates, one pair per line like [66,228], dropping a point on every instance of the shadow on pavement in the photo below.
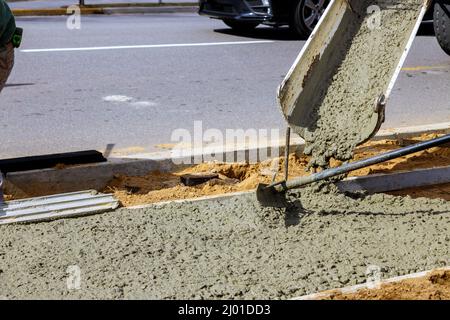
[426,29]
[264,33]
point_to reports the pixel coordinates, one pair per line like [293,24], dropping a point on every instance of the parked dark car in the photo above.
[301,15]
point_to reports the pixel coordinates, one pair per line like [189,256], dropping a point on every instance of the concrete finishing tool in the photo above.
[273,195]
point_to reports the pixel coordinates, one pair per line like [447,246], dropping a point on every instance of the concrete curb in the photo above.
[97,176]
[143,10]
[53,12]
[353,289]
[105,10]
[297,143]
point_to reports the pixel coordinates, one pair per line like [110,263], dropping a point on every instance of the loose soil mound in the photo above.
[435,286]
[158,186]
[236,177]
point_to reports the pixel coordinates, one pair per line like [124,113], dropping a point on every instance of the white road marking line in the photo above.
[130,101]
[205,44]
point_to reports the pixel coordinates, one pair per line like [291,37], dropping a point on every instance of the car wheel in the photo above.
[442,24]
[305,16]
[240,25]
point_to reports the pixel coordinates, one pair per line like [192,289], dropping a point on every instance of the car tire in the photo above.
[304,17]
[243,26]
[441,18]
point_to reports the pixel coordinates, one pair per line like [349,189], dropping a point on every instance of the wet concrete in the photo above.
[230,248]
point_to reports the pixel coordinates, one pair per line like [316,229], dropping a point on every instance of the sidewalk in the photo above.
[58,7]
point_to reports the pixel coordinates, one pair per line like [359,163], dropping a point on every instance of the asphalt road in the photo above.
[59,101]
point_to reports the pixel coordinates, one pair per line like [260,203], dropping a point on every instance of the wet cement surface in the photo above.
[355,72]
[231,248]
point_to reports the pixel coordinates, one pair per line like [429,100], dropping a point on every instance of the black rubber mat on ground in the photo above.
[50,161]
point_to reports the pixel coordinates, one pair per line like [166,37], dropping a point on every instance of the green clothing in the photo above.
[7,23]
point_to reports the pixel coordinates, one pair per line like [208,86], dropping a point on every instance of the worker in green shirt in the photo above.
[7,36]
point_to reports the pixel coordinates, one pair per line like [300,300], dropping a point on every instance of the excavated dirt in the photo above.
[228,248]
[343,109]
[235,177]
[435,286]
[158,186]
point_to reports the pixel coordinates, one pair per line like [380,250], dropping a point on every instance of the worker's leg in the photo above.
[6,63]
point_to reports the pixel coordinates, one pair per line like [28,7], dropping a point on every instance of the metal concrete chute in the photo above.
[294,85]
[338,86]
[319,59]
